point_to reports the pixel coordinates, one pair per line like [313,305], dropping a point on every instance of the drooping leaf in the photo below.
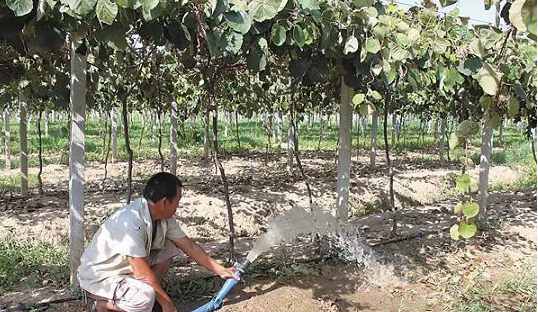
[106,11]
[82,7]
[257,57]
[477,48]
[358,99]
[493,120]
[309,4]
[148,5]
[298,36]
[467,230]
[232,43]
[454,232]
[463,183]
[470,209]
[372,45]
[486,102]
[262,10]
[522,15]
[458,209]
[513,107]
[488,79]
[489,3]
[278,35]
[351,45]
[467,128]
[239,21]
[20,7]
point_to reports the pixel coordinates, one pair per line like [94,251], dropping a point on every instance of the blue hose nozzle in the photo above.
[217,300]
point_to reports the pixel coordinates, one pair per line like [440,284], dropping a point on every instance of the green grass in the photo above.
[517,291]
[32,263]
[13,183]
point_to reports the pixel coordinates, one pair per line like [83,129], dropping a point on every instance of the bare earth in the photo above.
[414,273]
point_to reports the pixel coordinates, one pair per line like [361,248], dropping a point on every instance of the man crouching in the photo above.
[122,267]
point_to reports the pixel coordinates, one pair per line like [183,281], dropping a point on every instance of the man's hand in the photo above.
[226,273]
[201,257]
[169,308]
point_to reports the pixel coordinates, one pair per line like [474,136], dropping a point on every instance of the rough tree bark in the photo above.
[483,179]
[125,111]
[344,153]
[23,131]
[76,154]
[173,138]
[207,140]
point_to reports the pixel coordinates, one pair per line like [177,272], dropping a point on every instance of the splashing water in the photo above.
[286,227]
[344,238]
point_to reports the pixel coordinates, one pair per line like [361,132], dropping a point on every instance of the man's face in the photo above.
[170,206]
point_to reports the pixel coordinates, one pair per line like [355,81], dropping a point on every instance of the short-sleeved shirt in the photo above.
[126,233]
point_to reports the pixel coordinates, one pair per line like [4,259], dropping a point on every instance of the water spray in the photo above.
[216,301]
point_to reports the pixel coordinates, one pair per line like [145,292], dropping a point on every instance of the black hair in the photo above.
[161,185]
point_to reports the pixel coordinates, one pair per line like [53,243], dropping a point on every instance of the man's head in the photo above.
[163,192]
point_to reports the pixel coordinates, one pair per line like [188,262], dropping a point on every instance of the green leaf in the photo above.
[262,10]
[113,36]
[477,48]
[372,45]
[20,7]
[358,99]
[513,107]
[454,232]
[232,43]
[467,128]
[148,5]
[486,102]
[493,120]
[446,3]
[257,57]
[352,45]
[375,95]
[413,35]
[214,43]
[278,35]
[467,230]
[309,4]
[463,183]
[129,4]
[522,15]
[106,11]
[81,7]
[488,79]
[298,36]
[363,109]
[489,3]
[239,21]
[399,54]
[470,209]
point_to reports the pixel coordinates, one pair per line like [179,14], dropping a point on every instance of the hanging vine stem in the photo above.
[296,146]
[214,106]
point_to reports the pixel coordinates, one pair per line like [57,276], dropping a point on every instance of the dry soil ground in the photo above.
[421,270]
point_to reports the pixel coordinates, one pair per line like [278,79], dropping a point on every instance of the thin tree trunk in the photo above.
[46,123]
[160,137]
[104,133]
[76,153]
[224,181]
[344,153]
[109,134]
[237,130]
[373,139]
[173,138]
[441,140]
[390,171]
[7,140]
[293,125]
[124,111]
[206,136]
[533,145]
[485,161]
[23,132]
[320,133]
[291,145]
[114,130]
[40,152]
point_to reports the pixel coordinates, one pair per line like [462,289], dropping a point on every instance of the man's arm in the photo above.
[201,257]
[142,270]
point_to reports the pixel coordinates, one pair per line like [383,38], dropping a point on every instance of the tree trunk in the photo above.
[390,171]
[109,135]
[160,137]
[291,145]
[533,144]
[394,128]
[76,153]
[40,152]
[46,123]
[124,111]
[501,134]
[207,140]
[23,133]
[373,139]
[344,153]
[173,138]
[320,132]
[441,140]
[114,134]
[485,161]
[224,181]
[7,140]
